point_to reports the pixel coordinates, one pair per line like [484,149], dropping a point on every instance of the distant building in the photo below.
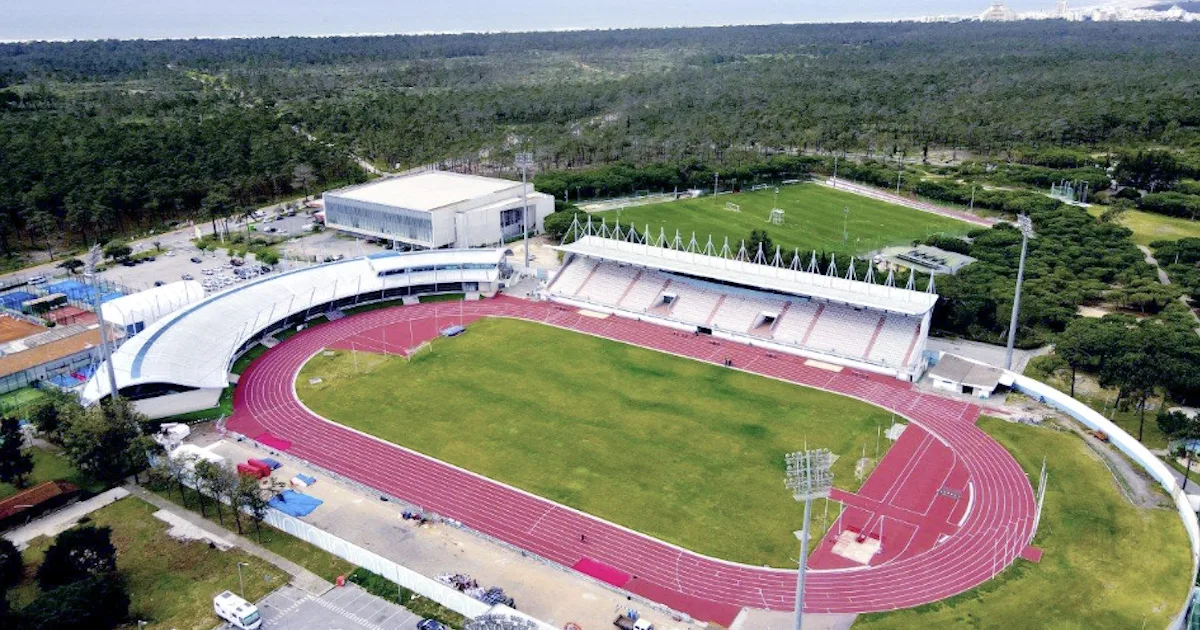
[926,259]
[436,209]
[998,13]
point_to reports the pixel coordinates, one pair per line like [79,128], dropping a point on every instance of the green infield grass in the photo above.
[1106,563]
[688,452]
[814,219]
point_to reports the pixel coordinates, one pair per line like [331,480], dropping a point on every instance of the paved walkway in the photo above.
[302,578]
[55,523]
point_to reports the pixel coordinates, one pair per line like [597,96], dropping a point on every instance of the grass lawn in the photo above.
[1149,227]
[16,400]
[814,220]
[1107,564]
[682,450]
[49,466]
[307,555]
[171,583]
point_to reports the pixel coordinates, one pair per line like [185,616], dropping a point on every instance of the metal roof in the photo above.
[425,191]
[769,277]
[194,346]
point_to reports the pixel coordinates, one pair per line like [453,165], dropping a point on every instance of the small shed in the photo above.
[956,374]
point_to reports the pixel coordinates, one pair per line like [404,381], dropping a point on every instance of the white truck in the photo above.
[236,611]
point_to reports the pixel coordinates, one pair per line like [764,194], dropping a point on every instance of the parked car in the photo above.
[236,262]
[151,259]
[188,276]
[431,624]
[158,283]
[196,259]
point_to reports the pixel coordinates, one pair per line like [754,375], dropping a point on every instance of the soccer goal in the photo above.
[413,352]
[733,207]
[776,217]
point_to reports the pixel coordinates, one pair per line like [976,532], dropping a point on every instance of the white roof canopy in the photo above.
[194,346]
[689,261]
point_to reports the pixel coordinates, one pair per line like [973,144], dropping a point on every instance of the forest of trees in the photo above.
[104,138]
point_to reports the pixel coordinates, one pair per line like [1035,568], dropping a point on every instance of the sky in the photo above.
[155,19]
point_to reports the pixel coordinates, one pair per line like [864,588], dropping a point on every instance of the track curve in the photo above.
[993,533]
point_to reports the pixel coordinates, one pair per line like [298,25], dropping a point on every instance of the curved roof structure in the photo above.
[194,346]
[773,278]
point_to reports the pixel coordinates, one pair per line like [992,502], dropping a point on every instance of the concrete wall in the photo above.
[175,404]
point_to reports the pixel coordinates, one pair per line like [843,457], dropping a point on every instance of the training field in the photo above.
[685,451]
[814,217]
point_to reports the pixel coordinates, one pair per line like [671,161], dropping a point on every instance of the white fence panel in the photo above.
[409,579]
[1132,448]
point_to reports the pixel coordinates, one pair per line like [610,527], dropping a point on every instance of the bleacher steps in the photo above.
[874,336]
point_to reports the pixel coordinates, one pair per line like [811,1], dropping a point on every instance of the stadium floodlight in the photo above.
[523,162]
[1025,224]
[808,477]
[89,273]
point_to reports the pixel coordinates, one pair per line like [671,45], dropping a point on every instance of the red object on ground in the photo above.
[341,580]
[250,471]
[1032,554]
[260,466]
[994,496]
[601,572]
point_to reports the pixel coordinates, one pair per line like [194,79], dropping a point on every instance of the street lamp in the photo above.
[241,581]
[89,274]
[524,161]
[1025,224]
[808,477]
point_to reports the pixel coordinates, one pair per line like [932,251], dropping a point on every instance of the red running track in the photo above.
[995,528]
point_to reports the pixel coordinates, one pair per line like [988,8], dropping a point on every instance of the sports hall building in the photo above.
[436,209]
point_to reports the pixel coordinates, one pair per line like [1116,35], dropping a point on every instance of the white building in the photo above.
[136,311]
[436,209]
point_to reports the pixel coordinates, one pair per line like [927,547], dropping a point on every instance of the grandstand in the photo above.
[881,328]
[165,372]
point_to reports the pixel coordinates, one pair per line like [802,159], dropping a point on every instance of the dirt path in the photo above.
[1135,485]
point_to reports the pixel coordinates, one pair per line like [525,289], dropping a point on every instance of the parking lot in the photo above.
[346,608]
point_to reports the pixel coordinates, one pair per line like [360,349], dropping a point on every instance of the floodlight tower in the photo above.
[524,161]
[1025,224]
[89,274]
[808,477]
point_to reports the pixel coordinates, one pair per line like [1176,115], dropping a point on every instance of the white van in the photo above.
[236,611]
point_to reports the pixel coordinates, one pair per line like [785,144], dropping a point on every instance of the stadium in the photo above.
[942,511]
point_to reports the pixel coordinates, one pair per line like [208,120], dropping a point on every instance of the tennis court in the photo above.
[12,329]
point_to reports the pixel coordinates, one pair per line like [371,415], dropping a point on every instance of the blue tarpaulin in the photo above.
[453,331]
[272,463]
[295,504]
[308,481]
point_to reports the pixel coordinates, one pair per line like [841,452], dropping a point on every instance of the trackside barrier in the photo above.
[426,587]
[1133,449]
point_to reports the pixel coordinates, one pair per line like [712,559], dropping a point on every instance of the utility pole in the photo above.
[523,162]
[808,477]
[89,274]
[1025,224]
[716,180]
[835,165]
